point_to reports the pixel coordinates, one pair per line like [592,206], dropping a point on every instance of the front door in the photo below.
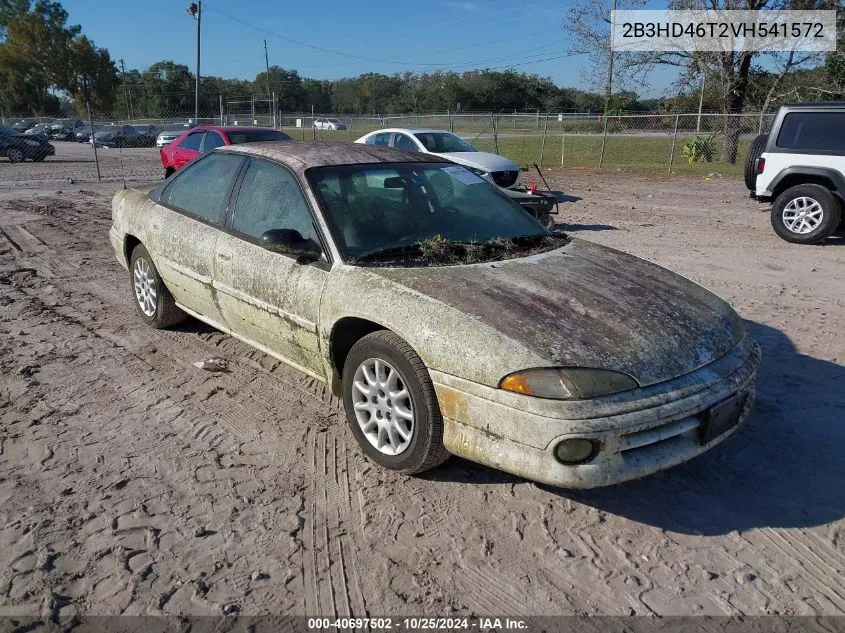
[184,227]
[188,149]
[267,298]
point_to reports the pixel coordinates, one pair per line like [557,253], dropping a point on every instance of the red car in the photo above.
[205,138]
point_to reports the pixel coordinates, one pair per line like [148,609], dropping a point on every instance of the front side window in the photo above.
[270,198]
[202,189]
[817,131]
[442,142]
[256,136]
[192,142]
[404,142]
[376,208]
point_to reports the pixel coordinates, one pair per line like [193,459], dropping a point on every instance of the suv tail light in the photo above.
[761,165]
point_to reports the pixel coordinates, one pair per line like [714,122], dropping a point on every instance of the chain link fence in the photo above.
[671,143]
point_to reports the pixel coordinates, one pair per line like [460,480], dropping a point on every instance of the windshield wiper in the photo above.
[389,252]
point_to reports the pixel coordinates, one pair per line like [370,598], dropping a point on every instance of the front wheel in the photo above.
[806,214]
[15,155]
[391,405]
[153,300]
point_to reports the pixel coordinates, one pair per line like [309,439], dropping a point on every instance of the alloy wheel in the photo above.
[802,215]
[383,406]
[145,287]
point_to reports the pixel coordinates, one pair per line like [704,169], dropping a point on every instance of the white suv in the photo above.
[800,166]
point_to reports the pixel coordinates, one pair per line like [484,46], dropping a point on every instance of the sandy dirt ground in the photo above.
[132,482]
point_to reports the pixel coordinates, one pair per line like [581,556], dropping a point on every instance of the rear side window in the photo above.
[379,139]
[817,131]
[212,140]
[403,142]
[192,142]
[203,188]
[270,198]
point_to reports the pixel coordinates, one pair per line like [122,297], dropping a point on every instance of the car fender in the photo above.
[831,174]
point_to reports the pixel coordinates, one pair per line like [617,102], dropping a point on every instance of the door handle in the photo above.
[225,256]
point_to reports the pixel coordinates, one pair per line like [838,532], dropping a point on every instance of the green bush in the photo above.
[700,148]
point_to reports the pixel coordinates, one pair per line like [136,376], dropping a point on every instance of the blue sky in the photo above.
[386,36]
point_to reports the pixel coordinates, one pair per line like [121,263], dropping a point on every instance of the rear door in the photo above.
[183,229]
[268,298]
[188,149]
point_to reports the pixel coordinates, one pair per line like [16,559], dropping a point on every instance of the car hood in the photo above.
[481,160]
[583,305]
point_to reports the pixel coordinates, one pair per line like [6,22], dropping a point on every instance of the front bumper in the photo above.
[640,432]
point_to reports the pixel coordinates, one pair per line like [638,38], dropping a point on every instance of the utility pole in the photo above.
[125,93]
[195,10]
[267,66]
[609,89]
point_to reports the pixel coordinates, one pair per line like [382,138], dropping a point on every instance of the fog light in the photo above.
[575,450]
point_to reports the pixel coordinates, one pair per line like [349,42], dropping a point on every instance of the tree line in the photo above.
[49,67]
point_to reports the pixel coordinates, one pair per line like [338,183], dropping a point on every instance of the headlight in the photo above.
[567,383]
[477,172]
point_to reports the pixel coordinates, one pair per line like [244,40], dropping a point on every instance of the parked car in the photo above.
[499,170]
[117,136]
[147,135]
[203,139]
[447,319]
[83,134]
[22,125]
[172,133]
[329,124]
[65,129]
[800,168]
[40,129]
[19,147]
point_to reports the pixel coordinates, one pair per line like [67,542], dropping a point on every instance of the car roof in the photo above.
[838,105]
[302,155]
[411,130]
[230,128]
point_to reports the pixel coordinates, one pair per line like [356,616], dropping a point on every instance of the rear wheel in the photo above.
[755,150]
[153,300]
[15,155]
[391,405]
[806,214]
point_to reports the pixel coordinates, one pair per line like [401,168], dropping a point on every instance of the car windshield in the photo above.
[423,214]
[254,136]
[441,142]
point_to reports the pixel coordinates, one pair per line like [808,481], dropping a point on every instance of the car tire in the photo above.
[15,155]
[157,308]
[415,445]
[755,150]
[812,200]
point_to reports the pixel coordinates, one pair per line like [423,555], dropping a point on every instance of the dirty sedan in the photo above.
[448,320]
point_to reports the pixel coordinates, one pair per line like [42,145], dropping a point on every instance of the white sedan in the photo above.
[493,168]
[329,124]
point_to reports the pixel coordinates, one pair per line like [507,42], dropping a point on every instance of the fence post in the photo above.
[221,108]
[495,134]
[674,139]
[451,123]
[562,141]
[93,140]
[274,110]
[543,142]
[313,127]
[603,141]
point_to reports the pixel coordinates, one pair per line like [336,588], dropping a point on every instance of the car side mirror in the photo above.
[291,242]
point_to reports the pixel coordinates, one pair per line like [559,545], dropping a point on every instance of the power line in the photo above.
[380,60]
